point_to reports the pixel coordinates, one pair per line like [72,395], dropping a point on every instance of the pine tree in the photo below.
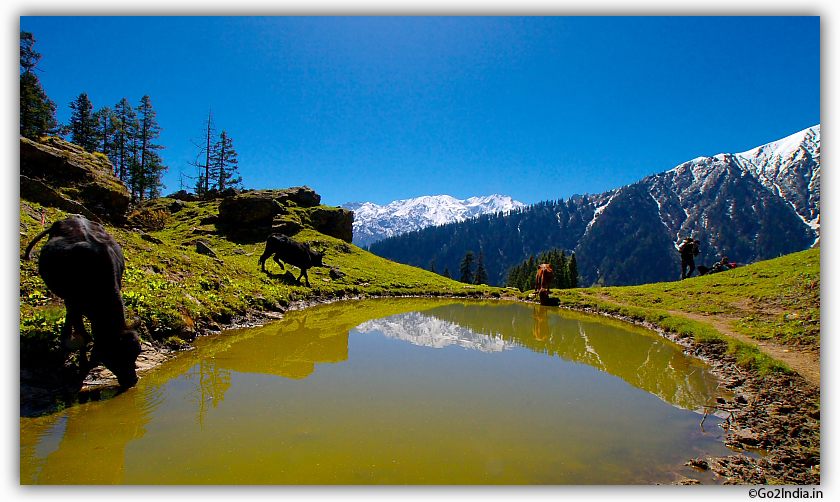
[127,127]
[154,172]
[225,164]
[28,56]
[432,266]
[149,169]
[480,271]
[82,123]
[573,272]
[37,111]
[447,273]
[466,268]
[107,125]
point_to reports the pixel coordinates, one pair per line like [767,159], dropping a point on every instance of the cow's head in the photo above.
[120,355]
[318,258]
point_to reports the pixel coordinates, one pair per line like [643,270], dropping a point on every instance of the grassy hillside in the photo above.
[178,293]
[776,300]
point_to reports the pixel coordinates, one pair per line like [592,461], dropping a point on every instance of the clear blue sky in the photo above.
[385,108]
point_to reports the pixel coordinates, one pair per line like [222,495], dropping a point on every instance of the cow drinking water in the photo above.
[544,276]
[292,253]
[83,265]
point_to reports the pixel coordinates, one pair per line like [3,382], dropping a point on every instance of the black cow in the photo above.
[293,253]
[82,264]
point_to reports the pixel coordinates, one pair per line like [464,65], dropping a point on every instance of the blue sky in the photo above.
[385,108]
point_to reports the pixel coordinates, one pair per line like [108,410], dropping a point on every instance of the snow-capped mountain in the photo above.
[748,206]
[790,168]
[373,222]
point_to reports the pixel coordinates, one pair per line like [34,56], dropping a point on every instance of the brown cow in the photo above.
[544,276]
[82,264]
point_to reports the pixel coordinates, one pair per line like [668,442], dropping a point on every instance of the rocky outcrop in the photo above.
[40,192]
[286,211]
[259,207]
[250,209]
[57,173]
[332,221]
[183,195]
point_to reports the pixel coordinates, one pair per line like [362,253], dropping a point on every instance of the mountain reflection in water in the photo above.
[638,356]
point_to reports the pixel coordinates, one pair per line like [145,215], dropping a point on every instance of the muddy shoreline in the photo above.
[778,414]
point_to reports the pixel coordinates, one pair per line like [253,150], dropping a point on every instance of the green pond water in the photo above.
[402,391]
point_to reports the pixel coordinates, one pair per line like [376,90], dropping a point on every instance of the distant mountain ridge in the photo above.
[748,206]
[373,222]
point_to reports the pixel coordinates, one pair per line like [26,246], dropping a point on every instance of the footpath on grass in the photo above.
[804,362]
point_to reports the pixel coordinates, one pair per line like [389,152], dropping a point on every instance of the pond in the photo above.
[397,391]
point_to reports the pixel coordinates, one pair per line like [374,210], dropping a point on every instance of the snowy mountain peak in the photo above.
[373,222]
[787,148]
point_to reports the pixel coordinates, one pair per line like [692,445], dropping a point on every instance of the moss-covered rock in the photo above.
[333,221]
[72,175]
[256,208]
[287,211]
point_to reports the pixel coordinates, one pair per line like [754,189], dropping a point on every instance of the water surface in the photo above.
[415,391]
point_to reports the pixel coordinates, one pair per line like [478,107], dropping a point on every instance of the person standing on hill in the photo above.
[688,250]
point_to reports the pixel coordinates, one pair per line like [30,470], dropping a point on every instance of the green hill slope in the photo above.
[178,292]
[774,302]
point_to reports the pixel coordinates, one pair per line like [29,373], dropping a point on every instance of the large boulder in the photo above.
[38,191]
[183,195]
[333,221]
[250,209]
[74,175]
[259,207]
[260,212]
[302,196]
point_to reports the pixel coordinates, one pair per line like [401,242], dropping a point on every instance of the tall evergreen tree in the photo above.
[573,272]
[82,123]
[149,168]
[480,271]
[432,266]
[447,273]
[127,127]
[37,111]
[562,278]
[29,57]
[466,268]
[225,164]
[107,125]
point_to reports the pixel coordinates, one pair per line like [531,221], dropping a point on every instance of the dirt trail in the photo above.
[804,362]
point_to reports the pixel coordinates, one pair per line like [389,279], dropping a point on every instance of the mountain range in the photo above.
[748,206]
[373,222]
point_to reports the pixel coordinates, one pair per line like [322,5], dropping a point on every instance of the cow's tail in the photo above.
[34,241]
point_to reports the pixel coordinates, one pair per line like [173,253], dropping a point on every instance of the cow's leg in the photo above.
[305,275]
[74,336]
[67,332]
[263,258]
[85,364]
[279,263]
[73,322]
